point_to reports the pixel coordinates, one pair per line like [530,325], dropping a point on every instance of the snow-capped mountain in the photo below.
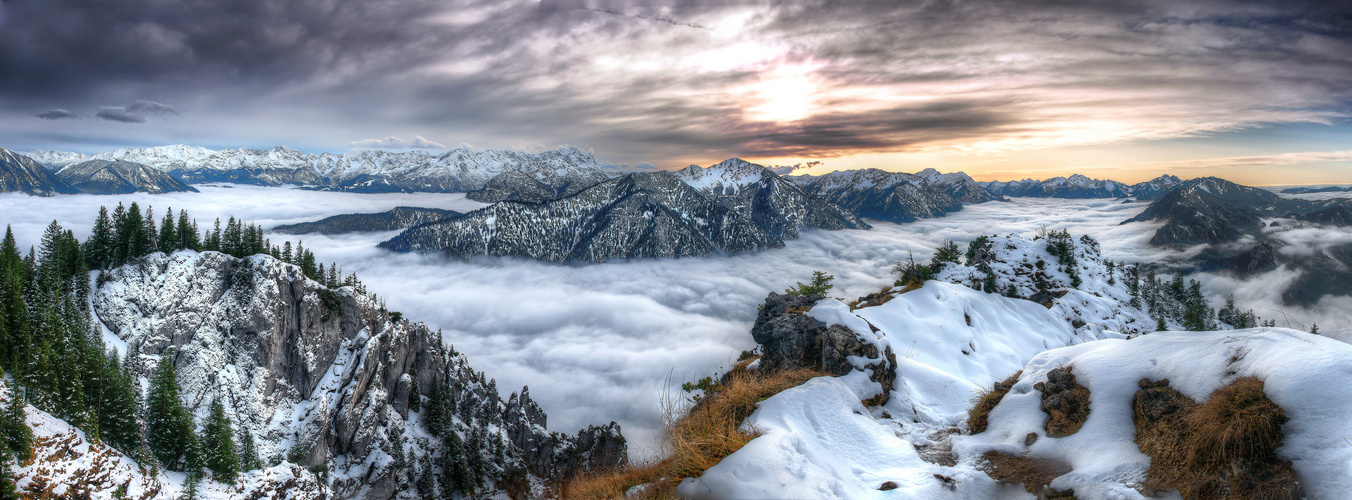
[396,218]
[457,170]
[766,198]
[1079,186]
[325,378]
[1211,210]
[21,173]
[119,177]
[895,196]
[730,207]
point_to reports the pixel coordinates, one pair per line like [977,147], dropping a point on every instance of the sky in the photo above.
[603,342]
[1254,92]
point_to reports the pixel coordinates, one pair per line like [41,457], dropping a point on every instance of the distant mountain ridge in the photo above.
[896,196]
[396,218]
[119,177]
[457,170]
[729,207]
[1079,186]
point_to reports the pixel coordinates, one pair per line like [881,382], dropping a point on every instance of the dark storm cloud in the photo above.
[57,114]
[637,82]
[135,112]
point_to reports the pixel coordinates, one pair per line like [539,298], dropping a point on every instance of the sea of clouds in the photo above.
[604,342]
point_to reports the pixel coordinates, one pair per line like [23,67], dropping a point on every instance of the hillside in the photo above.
[119,177]
[396,218]
[911,432]
[20,173]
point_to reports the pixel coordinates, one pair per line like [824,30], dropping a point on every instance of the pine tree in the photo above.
[218,444]
[119,408]
[414,395]
[18,442]
[117,251]
[98,250]
[169,427]
[168,237]
[948,251]
[1314,329]
[457,478]
[190,485]
[248,452]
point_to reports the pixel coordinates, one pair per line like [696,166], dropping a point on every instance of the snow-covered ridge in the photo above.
[952,341]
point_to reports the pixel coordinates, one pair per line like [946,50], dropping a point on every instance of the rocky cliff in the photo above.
[323,377]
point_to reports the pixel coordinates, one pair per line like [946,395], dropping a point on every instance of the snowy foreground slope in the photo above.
[322,380]
[951,342]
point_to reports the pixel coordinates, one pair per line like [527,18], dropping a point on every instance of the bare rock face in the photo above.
[320,377]
[791,340]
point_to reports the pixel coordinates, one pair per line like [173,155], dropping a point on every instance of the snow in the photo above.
[818,441]
[1104,456]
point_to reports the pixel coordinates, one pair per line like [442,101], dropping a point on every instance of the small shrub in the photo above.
[909,271]
[986,401]
[821,282]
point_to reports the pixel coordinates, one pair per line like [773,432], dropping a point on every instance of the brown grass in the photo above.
[1034,473]
[986,401]
[878,298]
[1221,449]
[699,438]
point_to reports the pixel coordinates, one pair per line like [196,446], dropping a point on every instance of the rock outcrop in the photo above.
[790,340]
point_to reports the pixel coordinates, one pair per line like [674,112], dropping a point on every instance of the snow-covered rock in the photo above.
[1101,302]
[322,376]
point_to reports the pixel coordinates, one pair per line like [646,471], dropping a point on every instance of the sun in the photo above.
[787,93]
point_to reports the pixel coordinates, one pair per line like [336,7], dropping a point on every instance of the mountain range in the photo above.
[730,207]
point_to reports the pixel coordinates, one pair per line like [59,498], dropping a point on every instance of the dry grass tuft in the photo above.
[1237,422]
[1221,449]
[878,298]
[698,437]
[986,401]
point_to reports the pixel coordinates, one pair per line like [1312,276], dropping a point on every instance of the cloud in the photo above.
[789,169]
[57,114]
[595,343]
[135,112]
[1255,160]
[974,77]
[418,142]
